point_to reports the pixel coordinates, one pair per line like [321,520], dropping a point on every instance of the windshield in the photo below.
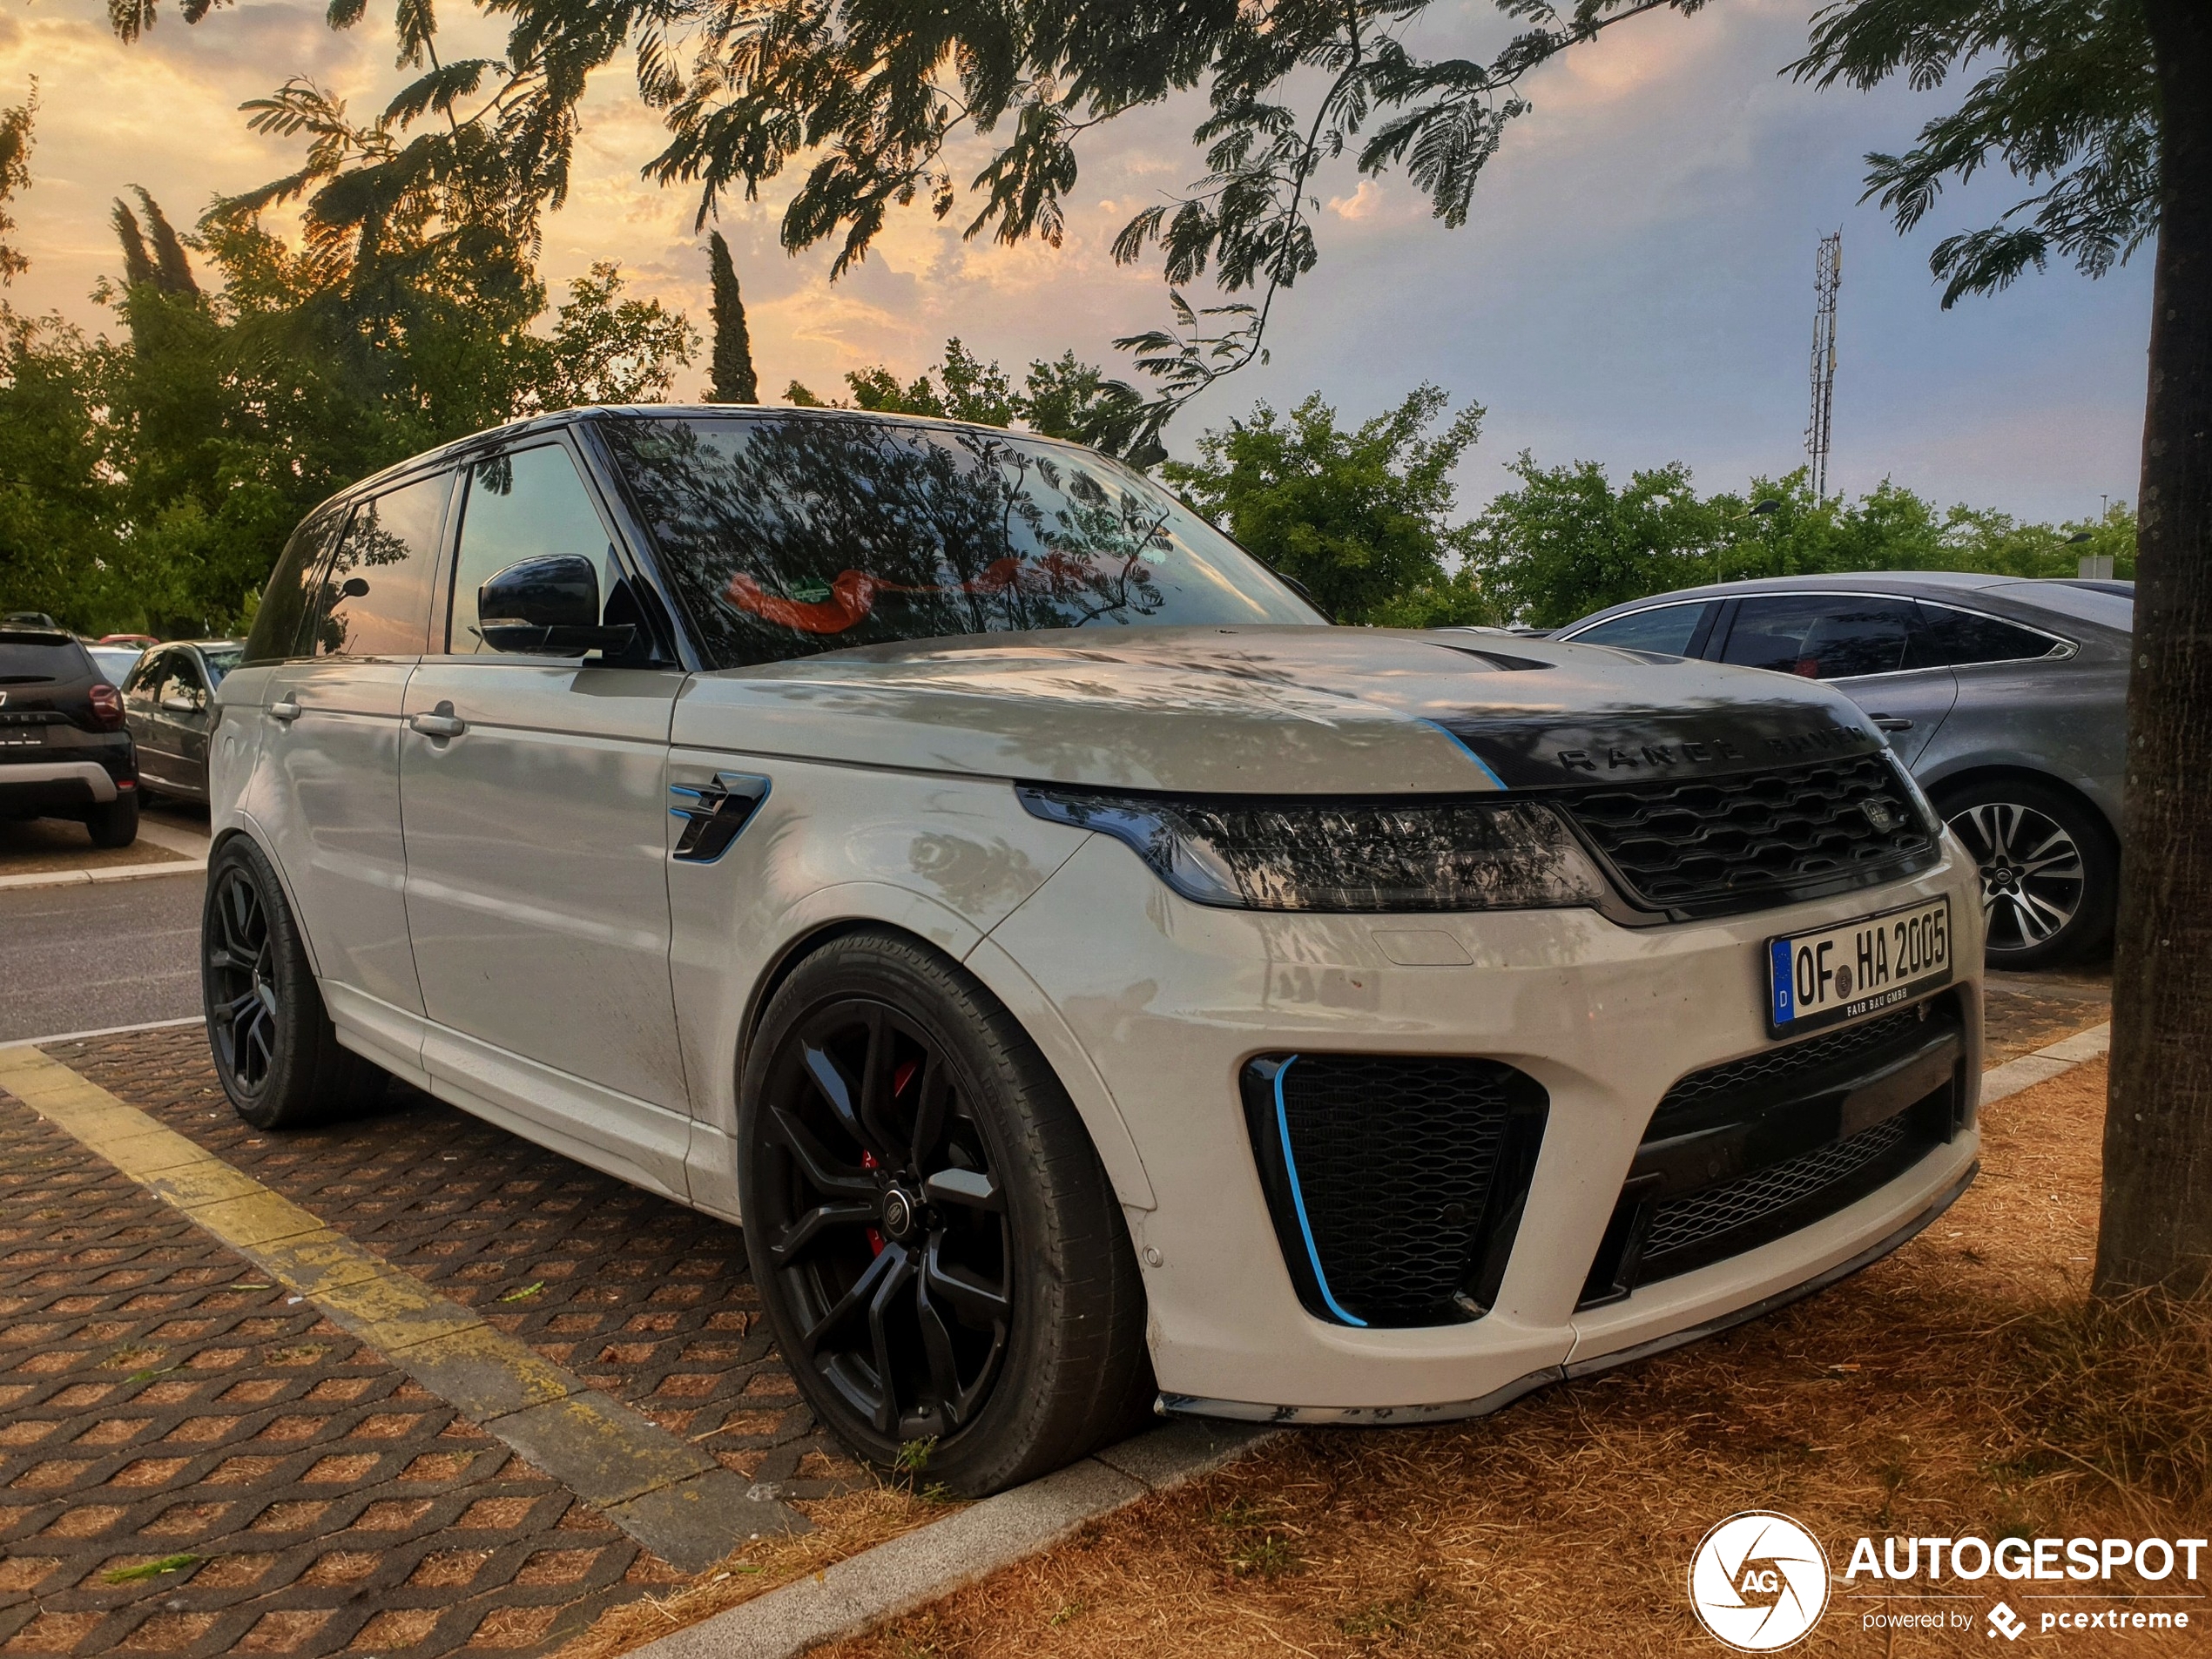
[785,538]
[220,659]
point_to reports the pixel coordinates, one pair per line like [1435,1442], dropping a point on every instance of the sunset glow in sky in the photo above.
[1634,287]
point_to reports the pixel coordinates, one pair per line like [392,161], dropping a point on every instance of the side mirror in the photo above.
[180,703]
[548,608]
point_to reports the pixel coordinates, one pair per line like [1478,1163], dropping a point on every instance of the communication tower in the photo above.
[1827,276]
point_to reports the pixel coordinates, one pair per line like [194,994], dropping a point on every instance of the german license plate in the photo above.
[1855,968]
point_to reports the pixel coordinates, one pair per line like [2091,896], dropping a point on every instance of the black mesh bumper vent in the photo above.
[1741,1154]
[1680,1222]
[1757,837]
[1396,1183]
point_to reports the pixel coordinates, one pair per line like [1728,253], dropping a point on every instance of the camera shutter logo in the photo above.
[1758,1581]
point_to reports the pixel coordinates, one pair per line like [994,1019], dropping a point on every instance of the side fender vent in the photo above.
[714,813]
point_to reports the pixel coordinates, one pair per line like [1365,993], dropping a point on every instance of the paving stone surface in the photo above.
[193,1462]
[647,1300]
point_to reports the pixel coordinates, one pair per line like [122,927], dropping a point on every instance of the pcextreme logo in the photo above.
[1758,1581]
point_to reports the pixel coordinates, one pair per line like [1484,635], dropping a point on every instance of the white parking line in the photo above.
[102,1031]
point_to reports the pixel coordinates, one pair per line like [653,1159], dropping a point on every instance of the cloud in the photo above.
[1633,285]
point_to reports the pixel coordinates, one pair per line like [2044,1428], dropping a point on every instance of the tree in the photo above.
[1060,399]
[607,349]
[16,126]
[1357,518]
[734,380]
[2104,106]
[1567,542]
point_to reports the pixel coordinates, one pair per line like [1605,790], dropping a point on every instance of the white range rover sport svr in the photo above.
[1095,982]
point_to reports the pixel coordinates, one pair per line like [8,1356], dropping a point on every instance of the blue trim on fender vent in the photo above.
[1395,1182]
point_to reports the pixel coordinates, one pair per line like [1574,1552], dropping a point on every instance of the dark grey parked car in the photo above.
[2006,697]
[169,701]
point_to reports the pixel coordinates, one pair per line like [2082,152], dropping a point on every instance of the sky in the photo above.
[1635,285]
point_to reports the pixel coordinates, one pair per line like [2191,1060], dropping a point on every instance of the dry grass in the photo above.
[1964,1386]
[843,1527]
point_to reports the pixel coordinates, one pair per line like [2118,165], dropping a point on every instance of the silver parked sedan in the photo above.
[2007,699]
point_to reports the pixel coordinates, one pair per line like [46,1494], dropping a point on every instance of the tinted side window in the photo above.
[1960,636]
[1822,637]
[283,613]
[1667,628]
[526,504]
[374,597]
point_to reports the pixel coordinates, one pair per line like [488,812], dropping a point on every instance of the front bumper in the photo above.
[1170,1000]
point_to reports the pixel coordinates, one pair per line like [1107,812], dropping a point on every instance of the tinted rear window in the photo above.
[34,659]
[785,538]
[1961,638]
[277,624]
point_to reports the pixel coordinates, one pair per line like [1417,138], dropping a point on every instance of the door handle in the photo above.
[439,725]
[1891,723]
[286,709]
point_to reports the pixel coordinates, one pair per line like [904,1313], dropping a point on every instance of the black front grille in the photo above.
[1777,1070]
[1739,1154]
[1757,837]
[1395,1182]
[1683,1222]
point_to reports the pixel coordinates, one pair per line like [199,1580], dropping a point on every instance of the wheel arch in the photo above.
[1973,777]
[250,833]
[1025,1002]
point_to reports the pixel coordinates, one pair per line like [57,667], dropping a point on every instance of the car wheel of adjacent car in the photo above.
[275,1049]
[114,823]
[942,1256]
[2049,870]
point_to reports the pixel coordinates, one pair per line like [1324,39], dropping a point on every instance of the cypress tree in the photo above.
[734,380]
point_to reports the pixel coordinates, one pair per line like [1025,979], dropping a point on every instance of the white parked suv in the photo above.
[1093,981]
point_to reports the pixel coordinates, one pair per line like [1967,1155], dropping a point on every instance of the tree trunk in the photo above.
[2156,1228]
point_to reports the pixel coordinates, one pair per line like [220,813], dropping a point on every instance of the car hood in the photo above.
[1275,709]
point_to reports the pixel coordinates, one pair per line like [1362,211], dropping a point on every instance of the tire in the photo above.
[2050,870]
[114,823]
[275,1049]
[906,1156]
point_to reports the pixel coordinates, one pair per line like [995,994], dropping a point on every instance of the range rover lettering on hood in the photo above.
[1751,737]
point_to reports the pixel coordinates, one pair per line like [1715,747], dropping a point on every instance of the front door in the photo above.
[537,886]
[1871,647]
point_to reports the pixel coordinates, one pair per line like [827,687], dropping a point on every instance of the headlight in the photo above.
[1345,855]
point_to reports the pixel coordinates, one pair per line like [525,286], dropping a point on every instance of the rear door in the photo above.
[182,714]
[1869,646]
[147,684]
[330,755]
[536,882]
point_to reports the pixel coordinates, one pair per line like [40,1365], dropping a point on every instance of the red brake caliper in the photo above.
[900,1079]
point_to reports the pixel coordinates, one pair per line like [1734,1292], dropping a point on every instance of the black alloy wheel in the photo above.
[2049,875]
[886,1220]
[940,1254]
[276,1052]
[241,979]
